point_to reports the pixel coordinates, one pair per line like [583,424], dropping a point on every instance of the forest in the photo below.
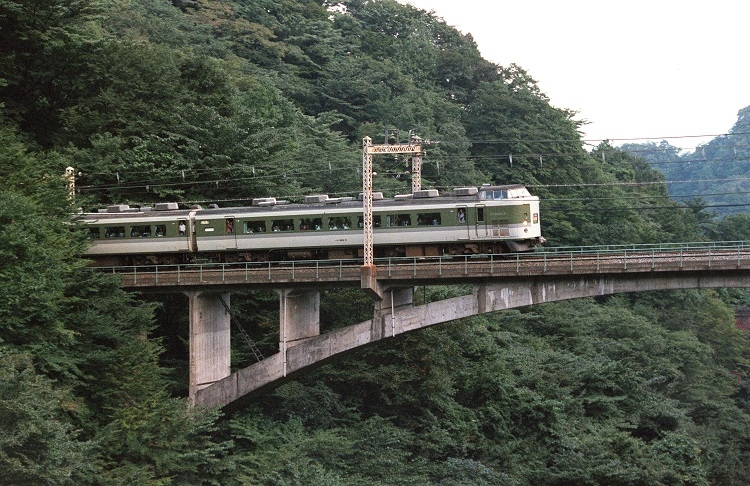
[712,175]
[221,101]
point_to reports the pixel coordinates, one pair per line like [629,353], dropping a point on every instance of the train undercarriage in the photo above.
[341,253]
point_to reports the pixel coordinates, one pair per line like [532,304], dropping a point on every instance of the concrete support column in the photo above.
[299,312]
[210,353]
[394,299]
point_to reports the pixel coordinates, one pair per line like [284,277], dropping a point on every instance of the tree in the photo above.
[38,442]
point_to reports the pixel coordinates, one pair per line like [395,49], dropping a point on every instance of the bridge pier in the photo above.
[210,353]
[299,316]
[299,313]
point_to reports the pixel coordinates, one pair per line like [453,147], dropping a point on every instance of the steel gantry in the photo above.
[413,147]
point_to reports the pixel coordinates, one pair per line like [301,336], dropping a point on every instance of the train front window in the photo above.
[496,195]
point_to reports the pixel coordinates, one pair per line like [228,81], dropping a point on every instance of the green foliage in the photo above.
[38,444]
[575,393]
[214,101]
[714,173]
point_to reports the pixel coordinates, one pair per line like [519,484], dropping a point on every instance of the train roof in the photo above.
[316,202]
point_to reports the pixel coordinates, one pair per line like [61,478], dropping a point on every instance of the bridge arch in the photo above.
[395,315]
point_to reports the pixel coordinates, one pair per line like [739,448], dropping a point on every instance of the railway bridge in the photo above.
[497,282]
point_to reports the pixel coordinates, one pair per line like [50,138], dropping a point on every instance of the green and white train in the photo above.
[484,220]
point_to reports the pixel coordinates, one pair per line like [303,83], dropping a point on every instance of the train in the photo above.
[490,219]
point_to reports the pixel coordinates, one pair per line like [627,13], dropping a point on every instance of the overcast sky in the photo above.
[646,69]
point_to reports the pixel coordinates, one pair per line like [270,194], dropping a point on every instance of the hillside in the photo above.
[713,175]
[208,101]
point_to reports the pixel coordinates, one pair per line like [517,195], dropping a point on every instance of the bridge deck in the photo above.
[435,270]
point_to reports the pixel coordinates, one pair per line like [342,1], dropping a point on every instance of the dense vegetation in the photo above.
[714,175]
[221,101]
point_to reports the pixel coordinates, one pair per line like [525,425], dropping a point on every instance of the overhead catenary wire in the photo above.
[179,172]
[185,182]
[179,177]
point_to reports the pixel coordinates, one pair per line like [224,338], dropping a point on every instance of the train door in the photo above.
[186,230]
[480,230]
[230,231]
[462,217]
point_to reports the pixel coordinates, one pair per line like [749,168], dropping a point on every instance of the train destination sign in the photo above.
[394,149]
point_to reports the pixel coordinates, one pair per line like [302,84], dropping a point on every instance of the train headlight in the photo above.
[525,222]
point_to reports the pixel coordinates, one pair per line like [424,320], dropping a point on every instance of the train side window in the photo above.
[94,233]
[161,230]
[140,231]
[229,225]
[403,220]
[182,227]
[376,222]
[282,225]
[255,226]
[114,232]
[428,219]
[480,215]
[310,224]
[461,215]
[339,223]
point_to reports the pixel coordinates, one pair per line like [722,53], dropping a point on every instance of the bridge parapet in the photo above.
[436,270]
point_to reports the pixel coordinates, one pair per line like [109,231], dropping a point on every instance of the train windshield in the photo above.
[496,194]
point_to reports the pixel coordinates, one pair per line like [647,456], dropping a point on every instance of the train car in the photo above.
[489,219]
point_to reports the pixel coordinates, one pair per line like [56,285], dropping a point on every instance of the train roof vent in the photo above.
[168,206]
[316,198]
[118,208]
[401,197]
[426,193]
[376,196]
[465,191]
[337,200]
[264,201]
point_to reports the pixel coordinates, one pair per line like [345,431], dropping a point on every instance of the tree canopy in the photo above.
[208,101]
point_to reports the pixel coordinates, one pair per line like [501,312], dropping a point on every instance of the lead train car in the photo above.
[489,219]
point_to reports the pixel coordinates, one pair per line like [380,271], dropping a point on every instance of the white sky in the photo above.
[647,69]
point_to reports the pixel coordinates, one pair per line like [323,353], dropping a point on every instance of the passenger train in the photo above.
[471,220]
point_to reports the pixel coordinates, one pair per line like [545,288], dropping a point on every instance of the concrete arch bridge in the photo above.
[497,282]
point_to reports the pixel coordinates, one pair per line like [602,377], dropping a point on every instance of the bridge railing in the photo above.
[548,261]
[650,247]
